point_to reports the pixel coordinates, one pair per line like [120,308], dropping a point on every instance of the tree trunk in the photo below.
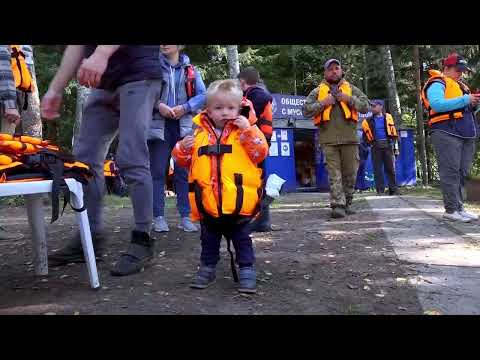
[232,58]
[365,70]
[82,95]
[394,100]
[420,128]
[31,119]
[294,63]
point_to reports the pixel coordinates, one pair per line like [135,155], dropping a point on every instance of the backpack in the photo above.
[21,73]
[190,80]
[114,182]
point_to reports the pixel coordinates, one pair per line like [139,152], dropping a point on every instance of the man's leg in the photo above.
[448,149]
[334,167]
[137,101]
[97,130]
[350,159]
[7,128]
[377,169]
[389,166]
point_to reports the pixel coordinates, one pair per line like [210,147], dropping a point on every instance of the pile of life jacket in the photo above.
[26,159]
[114,182]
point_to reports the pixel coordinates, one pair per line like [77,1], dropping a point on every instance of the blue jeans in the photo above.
[211,235]
[160,151]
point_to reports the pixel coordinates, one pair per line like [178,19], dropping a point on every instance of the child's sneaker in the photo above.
[204,278]
[248,280]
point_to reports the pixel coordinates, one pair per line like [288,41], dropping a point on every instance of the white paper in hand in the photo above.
[274,184]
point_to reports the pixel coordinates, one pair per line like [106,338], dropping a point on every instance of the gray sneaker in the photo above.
[160,224]
[187,225]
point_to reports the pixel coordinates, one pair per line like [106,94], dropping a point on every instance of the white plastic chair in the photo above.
[33,198]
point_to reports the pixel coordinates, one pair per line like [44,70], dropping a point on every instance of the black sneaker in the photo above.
[139,254]
[72,252]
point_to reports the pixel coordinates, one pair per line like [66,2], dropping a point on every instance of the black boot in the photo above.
[139,254]
[348,206]
[72,252]
[338,212]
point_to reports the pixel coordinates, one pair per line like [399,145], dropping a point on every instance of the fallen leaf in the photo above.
[350,286]
[432,312]
[402,308]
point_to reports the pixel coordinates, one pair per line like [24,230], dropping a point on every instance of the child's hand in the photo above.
[187,142]
[241,122]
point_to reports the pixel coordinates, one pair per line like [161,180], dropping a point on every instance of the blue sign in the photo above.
[288,106]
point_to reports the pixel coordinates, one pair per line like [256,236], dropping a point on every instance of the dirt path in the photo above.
[314,265]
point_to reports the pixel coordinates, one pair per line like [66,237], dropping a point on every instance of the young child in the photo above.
[225,185]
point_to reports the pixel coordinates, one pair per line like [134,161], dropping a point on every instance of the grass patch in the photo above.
[117,202]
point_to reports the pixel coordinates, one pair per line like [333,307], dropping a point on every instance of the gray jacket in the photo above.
[174,93]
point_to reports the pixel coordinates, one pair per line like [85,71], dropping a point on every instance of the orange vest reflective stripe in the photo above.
[222,179]
[349,112]
[453,89]
[389,126]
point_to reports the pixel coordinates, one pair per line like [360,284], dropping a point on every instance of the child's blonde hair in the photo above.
[229,87]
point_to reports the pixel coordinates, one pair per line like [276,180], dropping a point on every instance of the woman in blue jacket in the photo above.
[170,123]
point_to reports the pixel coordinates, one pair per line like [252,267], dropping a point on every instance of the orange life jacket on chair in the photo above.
[25,159]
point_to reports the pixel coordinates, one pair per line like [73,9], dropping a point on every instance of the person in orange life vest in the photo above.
[261,99]
[379,131]
[224,179]
[334,107]
[453,129]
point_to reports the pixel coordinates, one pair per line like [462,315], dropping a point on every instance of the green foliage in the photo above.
[287,69]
